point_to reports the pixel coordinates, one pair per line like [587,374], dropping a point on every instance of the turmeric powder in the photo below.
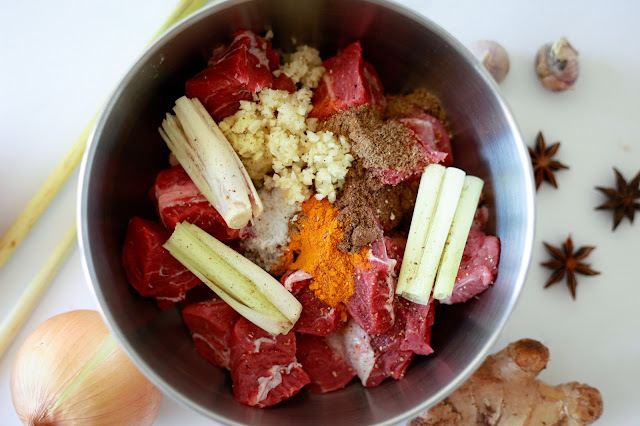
[316,247]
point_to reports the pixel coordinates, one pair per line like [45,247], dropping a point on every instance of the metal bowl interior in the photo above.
[408,51]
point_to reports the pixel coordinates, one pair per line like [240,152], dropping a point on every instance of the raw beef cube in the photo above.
[374,358]
[294,281]
[200,293]
[371,304]
[151,269]
[282,82]
[326,367]
[264,369]
[164,304]
[478,268]
[179,199]
[395,250]
[349,81]
[431,137]
[211,325]
[317,317]
[416,319]
[481,218]
[413,320]
[234,74]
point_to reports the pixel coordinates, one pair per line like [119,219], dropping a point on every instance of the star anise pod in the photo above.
[622,200]
[542,161]
[568,263]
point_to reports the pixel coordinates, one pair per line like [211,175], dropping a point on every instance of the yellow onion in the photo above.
[71,371]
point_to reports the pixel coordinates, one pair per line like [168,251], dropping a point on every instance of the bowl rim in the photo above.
[83,199]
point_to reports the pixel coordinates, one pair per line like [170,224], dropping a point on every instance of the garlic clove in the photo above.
[493,56]
[557,65]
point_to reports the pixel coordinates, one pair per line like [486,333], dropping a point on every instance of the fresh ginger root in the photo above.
[505,391]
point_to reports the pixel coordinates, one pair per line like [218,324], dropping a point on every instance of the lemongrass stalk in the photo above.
[457,239]
[419,290]
[41,200]
[47,192]
[184,9]
[33,293]
[247,288]
[210,161]
[265,283]
[425,209]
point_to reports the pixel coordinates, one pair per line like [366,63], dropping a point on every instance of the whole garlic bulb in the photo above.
[557,65]
[493,56]
[71,371]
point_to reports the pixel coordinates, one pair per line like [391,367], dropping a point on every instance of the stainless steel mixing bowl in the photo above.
[408,51]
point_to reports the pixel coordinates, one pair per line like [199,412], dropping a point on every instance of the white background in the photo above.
[60,59]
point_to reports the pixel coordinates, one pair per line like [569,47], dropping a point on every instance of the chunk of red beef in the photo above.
[150,268]
[374,358]
[294,281]
[200,293]
[432,138]
[478,268]
[282,82]
[326,367]
[264,368]
[395,250]
[211,324]
[481,218]
[179,199]
[389,354]
[234,74]
[416,320]
[349,81]
[371,304]
[317,317]
[164,304]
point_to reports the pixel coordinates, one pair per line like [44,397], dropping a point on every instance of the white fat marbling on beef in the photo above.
[172,299]
[379,255]
[273,379]
[226,351]
[295,277]
[355,347]
[177,194]
[262,340]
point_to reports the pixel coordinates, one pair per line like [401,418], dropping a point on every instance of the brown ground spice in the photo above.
[376,143]
[402,106]
[366,205]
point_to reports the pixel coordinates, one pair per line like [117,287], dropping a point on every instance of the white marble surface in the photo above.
[60,60]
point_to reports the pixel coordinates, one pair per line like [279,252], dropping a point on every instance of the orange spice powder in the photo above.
[316,246]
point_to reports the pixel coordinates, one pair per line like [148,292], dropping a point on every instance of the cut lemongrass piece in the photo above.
[419,289]
[247,288]
[210,161]
[422,217]
[457,239]
[275,292]
[254,198]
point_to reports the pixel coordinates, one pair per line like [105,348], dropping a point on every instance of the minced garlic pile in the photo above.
[304,67]
[273,133]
